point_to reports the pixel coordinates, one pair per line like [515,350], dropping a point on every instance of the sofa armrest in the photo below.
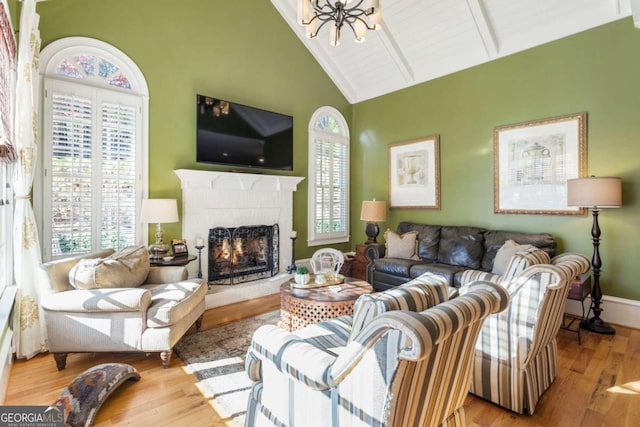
[169,274]
[99,300]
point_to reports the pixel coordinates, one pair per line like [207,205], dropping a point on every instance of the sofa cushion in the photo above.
[462,246]
[428,238]
[172,301]
[400,246]
[127,268]
[396,266]
[494,239]
[445,271]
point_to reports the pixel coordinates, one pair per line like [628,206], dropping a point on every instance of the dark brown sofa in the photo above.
[447,251]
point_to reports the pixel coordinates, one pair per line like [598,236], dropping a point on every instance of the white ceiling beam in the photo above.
[635,11]
[394,51]
[485,31]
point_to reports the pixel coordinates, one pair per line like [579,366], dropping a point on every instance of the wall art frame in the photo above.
[533,161]
[414,173]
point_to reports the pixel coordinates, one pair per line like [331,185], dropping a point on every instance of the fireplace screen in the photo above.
[242,254]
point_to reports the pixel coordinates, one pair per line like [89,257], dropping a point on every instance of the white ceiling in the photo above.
[424,39]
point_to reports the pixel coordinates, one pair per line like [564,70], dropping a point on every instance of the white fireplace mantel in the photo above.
[227,199]
[231,181]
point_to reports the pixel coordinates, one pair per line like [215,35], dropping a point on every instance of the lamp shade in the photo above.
[373,211]
[159,211]
[595,192]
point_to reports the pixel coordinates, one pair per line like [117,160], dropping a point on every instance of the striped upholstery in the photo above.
[516,265]
[404,368]
[516,353]
[419,294]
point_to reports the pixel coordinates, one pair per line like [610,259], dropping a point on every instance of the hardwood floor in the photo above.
[598,383]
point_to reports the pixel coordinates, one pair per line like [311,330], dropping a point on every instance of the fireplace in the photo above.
[242,254]
[227,199]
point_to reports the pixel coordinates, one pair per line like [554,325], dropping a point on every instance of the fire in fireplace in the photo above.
[242,254]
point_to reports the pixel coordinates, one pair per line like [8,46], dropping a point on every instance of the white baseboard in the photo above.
[617,311]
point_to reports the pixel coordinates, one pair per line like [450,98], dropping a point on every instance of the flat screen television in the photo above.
[234,134]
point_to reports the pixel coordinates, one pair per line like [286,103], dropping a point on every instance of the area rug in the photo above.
[216,357]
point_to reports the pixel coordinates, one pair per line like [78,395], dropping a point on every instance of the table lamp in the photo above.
[373,212]
[159,211]
[595,193]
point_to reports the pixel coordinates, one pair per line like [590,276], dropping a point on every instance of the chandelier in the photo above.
[359,15]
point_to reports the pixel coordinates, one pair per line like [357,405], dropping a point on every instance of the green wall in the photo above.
[206,47]
[596,71]
[238,50]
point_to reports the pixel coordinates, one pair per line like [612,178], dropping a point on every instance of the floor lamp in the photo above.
[595,193]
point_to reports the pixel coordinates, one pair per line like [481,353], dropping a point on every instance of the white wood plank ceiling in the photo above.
[421,40]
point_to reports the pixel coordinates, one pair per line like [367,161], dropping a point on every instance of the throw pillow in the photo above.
[127,268]
[400,246]
[504,254]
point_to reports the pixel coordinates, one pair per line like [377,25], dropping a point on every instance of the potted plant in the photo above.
[302,275]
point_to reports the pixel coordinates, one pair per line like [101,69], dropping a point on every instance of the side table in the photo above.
[359,263]
[175,261]
[579,290]
[303,307]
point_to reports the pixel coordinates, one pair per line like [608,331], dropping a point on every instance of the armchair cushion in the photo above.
[98,300]
[171,302]
[127,268]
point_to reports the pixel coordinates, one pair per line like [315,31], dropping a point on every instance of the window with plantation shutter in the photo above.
[94,168]
[328,178]
[94,148]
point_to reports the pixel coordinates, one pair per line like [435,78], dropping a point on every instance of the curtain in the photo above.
[7,150]
[30,334]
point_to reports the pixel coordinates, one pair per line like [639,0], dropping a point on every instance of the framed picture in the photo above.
[414,173]
[534,160]
[179,247]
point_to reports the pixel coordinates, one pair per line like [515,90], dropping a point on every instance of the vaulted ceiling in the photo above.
[421,40]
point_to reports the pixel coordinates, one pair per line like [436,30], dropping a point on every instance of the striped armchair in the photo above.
[404,361]
[515,265]
[516,353]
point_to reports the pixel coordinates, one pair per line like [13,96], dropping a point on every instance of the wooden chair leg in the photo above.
[166,357]
[199,322]
[61,360]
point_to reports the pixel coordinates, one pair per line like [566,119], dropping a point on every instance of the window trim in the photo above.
[313,239]
[50,57]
